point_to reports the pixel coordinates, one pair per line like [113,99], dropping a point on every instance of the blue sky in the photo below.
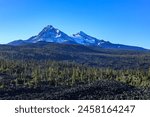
[117,21]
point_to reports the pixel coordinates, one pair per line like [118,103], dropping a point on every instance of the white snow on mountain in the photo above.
[83,38]
[51,34]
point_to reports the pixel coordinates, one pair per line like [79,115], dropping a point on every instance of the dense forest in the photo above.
[59,71]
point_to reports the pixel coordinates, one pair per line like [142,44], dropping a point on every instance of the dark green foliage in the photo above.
[65,73]
[89,56]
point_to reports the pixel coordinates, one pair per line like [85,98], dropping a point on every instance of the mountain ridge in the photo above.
[54,35]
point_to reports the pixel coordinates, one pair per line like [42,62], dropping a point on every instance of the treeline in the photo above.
[33,74]
[84,55]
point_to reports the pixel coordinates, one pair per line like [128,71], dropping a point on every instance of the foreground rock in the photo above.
[100,90]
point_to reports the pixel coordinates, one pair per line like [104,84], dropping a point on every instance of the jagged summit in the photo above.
[49,31]
[81,33]
[52,34]
[49,28]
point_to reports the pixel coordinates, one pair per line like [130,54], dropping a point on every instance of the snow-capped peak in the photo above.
[83,38]
[50,34]
[81,33]
[48,29]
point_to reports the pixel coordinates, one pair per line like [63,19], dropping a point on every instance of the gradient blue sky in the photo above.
[117,21]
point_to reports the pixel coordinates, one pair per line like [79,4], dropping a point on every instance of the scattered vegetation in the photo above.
[53,71]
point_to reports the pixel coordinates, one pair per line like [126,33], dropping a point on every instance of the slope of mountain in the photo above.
[51,34]
[17,42]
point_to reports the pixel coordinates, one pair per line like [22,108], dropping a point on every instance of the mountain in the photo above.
[54,35]
[84,39]
[50,34]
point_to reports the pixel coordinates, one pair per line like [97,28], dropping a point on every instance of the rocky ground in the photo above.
[100,90]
